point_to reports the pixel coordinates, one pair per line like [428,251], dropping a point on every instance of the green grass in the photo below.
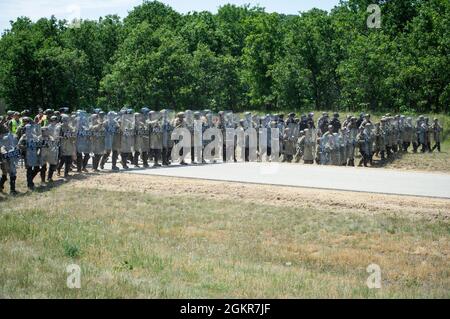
[139,245]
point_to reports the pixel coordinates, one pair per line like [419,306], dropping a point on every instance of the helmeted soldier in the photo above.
[300,147]
[408,134]
[303,125]
[360,120]
[128,135]
[437,134]
[30,147]
[428,135]
[142,142]
[347,121]
[49,147]
[98,138]
[364,140]
[68,140]
[112,140]
[156,137]
[328,147]
[180,122]
[352,141]
[167,129]
[290,119]
[289,145]
[416,142]
[380,145]
[83,141]
[336,123]
[322,123]
[343,140]
[310,121]
[9,156]
[309,146]
[423,135]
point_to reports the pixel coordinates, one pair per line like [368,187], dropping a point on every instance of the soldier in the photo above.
[142,144]
[347,121]
[167,129]
[29,145]
[300,147]
[83,141]
[363,144]
[319,157]
[189,119]
[112,140]
[408,134]
[365,121]
[335,153]
[9,156]
[327,147]
[416,142]
[360,120]
[289,145]
[49,147]
[290,119]
[179,122]
[21,128]
[156,137]
[68,140]
[352,132]
[336,123]
[428,134]
[309,146]
[14,122]
[128,135]
[423,135]
[379,141]
[199,127]
[322,123]
[343,139]
[229,136]
[303,125]
[437,132]
[310,121]
[98,136]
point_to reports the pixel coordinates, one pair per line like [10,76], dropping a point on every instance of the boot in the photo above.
[145,159]
[50,173]
[136,159]
[104,160]
[115,155]
[124,160]
[351,162]
[2,182]
[43,173]
[12,185]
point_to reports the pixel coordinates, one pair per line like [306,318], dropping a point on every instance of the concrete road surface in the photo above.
[372,180]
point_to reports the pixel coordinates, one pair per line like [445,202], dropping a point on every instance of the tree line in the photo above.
[239,58]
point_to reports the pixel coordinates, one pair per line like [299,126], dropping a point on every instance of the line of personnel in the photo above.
[54,140]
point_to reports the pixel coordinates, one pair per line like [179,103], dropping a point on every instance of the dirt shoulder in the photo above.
[334,201]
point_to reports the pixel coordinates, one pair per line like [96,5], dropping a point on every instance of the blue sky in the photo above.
[93,9]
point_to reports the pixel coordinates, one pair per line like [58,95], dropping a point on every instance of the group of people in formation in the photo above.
[57,140]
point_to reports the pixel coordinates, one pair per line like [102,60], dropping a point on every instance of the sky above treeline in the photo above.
[93,9]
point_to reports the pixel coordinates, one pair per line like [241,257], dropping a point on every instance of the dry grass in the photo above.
[133,237]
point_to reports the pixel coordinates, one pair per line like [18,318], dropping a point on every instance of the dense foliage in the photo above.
[240,58]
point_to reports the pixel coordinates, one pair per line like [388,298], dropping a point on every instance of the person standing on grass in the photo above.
[437,132]
[30,146]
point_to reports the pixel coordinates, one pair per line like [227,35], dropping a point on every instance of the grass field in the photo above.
[161,237]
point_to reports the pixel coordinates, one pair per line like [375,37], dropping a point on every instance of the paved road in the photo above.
[372,180]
